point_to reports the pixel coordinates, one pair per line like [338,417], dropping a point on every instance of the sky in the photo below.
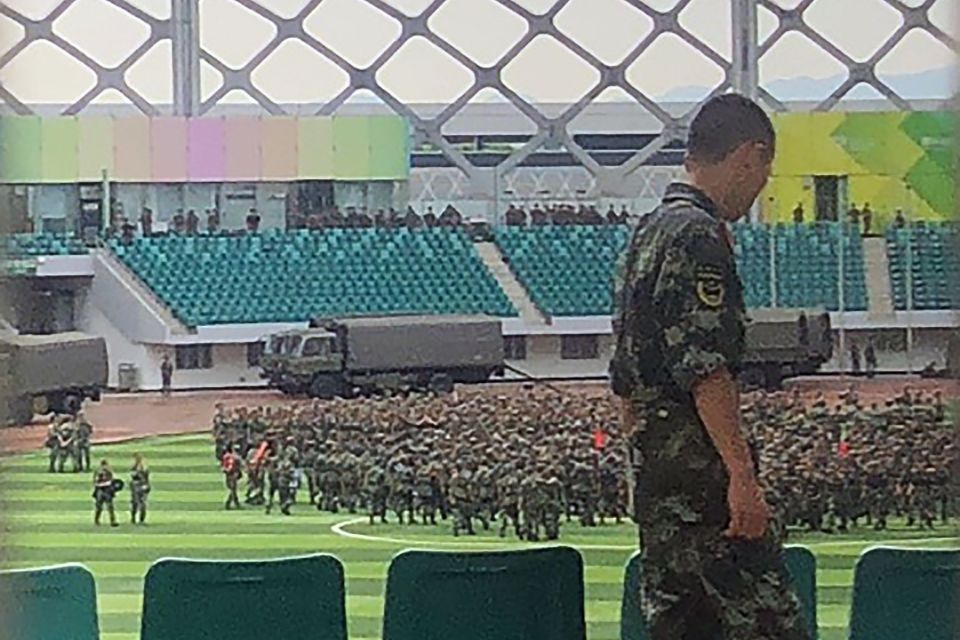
[545,71]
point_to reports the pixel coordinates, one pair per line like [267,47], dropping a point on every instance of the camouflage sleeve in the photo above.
[619,281]
[696,309]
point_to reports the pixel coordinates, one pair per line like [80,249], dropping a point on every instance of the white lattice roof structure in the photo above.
[327,56]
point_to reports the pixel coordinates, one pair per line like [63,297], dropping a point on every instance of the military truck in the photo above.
[783,343]
[343,357]
[49,373]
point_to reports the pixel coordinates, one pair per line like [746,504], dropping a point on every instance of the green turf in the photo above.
[48,519]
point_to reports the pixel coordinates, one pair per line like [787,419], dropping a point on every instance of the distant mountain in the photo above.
[931,84]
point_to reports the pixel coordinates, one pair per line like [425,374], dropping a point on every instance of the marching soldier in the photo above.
[232,466]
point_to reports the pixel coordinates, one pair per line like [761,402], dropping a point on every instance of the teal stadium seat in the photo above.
[568,270]
[924,258]
[289,599]
[901,594]
[534,594]
[52,603]
[29,245]
[293,276]
[801,565]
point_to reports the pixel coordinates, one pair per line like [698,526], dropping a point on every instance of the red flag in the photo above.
[599,439]
[844,449]
[261,453]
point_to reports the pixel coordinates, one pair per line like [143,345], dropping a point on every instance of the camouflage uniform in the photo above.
[139,490]
[84,433]
[377,492]
[232,467]
[680,317]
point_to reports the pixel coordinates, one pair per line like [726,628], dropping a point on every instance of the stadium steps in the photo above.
[126,295]
[876,263]
[492,257]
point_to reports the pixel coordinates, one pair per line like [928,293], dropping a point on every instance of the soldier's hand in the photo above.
[749,513]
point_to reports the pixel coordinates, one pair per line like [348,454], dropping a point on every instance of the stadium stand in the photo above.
[49,602]
[28,245]
[290,598]
[568,270]
[807,264]
[531,593]
[928,251]
[278,276]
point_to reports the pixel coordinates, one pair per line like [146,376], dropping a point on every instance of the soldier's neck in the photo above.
[715,183]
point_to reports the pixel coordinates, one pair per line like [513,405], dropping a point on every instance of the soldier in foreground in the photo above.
[712,565]
[104,489]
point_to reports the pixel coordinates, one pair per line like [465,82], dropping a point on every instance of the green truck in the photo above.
[46,373]
[784,343]
[343,357]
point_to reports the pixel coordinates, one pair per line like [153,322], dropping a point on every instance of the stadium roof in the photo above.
[490,117]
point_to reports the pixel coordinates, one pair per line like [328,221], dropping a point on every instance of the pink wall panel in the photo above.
[279,148]
[131,138]
[168,149]
[242,157]
[206,149]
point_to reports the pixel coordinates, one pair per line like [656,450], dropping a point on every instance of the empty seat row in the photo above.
[293,276]
[924,266]
[533,594]
[568,270]
[28,245]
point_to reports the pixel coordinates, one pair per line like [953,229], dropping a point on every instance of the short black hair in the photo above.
[724,123]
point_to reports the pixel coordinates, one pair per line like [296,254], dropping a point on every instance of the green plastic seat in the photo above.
[289,599]
[534,594]
[801,565]
[906,593]
[51,603]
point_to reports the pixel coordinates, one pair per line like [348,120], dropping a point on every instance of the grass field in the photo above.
[48,520]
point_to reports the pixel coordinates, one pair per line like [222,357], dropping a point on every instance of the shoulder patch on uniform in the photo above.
[709,285]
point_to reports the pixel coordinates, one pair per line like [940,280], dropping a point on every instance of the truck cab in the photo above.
[290,357]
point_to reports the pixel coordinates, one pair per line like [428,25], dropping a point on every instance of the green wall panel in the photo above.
[351,147]
[389,139]
[96,152]
[315,148]
[20,143]
[59,148]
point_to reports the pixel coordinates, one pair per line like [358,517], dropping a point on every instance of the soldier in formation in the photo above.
[68,438]
[525,463]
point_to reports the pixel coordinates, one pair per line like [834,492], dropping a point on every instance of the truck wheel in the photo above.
[326,387]
[72,403]
[41,405]
[21,411]
[772,379]
[441,383]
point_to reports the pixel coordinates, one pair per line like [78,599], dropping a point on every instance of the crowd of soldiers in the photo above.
[68,438]
[525,463]
[827,468]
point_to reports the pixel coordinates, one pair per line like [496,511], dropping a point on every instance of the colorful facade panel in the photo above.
[233,149]
[891,160]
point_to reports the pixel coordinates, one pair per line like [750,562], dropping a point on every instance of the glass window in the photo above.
[579,347]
